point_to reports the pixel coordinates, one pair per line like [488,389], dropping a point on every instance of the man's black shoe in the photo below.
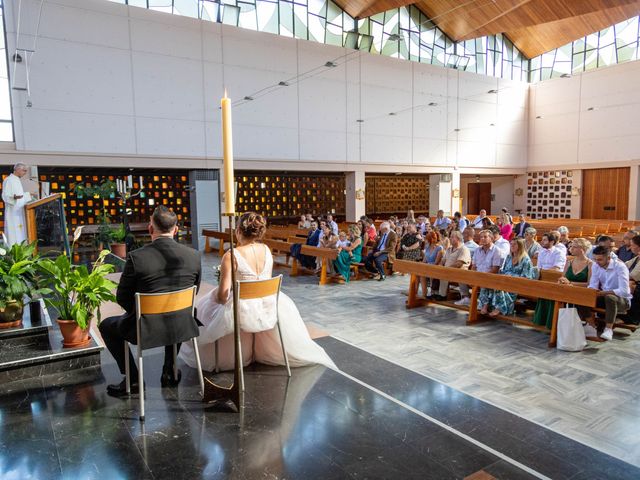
[440,298]
[382,277]
[167,380]
[120,389]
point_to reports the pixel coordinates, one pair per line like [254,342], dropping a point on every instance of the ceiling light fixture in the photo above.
[433,104]
[248,98]
[283,84]
[456,129]
[565,75]
[539,117]
[360,120]
[493,90]
[591,109]
[392,114]
[331,64]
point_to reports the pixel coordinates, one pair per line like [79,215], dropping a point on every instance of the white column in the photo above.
[354,207]
[634,193]
[455,193]
[440,194]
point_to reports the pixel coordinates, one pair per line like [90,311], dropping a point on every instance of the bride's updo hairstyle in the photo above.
[252,226]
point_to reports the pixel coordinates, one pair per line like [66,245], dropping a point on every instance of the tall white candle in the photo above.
[227,162]
[130,181]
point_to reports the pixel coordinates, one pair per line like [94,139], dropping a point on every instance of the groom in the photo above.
[162,266]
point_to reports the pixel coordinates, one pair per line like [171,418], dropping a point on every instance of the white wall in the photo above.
[502,187]
[569,134]
[115,80]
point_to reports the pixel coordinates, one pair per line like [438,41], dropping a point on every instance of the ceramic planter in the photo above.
[73,335]
[11,315]
[119,249]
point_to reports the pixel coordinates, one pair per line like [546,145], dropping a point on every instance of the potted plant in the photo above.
[18,270]
[118,241]
[77,295]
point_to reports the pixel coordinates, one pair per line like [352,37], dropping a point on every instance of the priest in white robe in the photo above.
[14,198]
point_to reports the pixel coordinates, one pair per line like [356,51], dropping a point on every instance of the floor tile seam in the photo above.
[450,429]
[489,402]
[123,420]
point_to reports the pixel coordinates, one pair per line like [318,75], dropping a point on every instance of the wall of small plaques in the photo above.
[287,195]
[396,194]
[549,193]
[160,187]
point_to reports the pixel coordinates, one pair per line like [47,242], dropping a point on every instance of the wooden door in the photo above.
[478,198]
[605,193]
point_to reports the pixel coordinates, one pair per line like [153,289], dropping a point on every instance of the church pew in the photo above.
[521,286]
[324,254]
[222,237]
[279,247]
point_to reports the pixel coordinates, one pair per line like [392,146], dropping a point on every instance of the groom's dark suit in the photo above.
[161,266]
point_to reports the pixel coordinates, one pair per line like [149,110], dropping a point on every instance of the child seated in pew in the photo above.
[343,241]
[328,240]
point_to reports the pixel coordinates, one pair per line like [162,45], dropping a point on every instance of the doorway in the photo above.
[605,193]
[478,198]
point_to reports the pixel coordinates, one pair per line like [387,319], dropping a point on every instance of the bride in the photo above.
[253,261]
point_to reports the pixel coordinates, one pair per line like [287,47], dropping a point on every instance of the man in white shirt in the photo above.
[469,235]
[610,276]
[501,243]
[487,258]
[332,224]
[14,198]
[603,241]
[441,222]
[477,222]
[550,257]
[559,245]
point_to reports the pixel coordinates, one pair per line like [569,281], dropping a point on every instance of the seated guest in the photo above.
[328,239]
[432,255]
[560,246]
[507,216]
[441,222]
[363,232]
[456,256]
[486,223]
[410,244]
[332,224]
[304,223]
[602,241]
[499,241]
[309,219]
[313,239]
[517,264]
[530,243]
[633,314]
[343,241]
[349,254]
[550,257]
[505,227]
[423,224]
[610,277]
[468,235]
[576,272]
[162,266]
[477,222]
[384,250]
[487,258]
[462,221]
[624,253]
[564,237]
[371,231]
[521,228]
[410,217]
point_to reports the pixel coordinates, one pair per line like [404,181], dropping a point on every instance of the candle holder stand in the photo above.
[235,392]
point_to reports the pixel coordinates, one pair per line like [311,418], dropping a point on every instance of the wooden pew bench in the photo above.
[325,255]
[477,280]
[222,237]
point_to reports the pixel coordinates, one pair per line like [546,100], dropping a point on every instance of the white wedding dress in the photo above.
[255,315]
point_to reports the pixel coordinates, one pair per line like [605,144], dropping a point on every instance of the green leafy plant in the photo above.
[105,190]
[119,235]
[77,292]
[19,274]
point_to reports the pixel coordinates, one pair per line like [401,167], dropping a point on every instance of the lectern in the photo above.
[47,224]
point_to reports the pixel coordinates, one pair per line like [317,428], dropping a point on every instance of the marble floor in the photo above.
[591,396]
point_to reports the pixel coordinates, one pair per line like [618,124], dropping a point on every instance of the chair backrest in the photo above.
[165,318]
[166,302]
[250,289]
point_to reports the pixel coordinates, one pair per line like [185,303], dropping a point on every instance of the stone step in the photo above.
[36,350]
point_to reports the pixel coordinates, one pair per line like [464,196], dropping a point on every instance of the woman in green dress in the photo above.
[350,254]
[576,272]
[517,264]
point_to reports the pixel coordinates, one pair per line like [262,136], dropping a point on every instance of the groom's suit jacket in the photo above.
[162,266]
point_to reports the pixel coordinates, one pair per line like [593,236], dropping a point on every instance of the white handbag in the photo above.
[571,336]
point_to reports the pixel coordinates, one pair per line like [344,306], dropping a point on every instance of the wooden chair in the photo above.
[151,307]
[253,289]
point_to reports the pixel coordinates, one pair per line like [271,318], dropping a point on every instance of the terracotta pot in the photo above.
[119,249]
[11,315]
[72,334]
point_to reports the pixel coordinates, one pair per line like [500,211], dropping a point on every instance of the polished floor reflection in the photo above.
[318,424]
